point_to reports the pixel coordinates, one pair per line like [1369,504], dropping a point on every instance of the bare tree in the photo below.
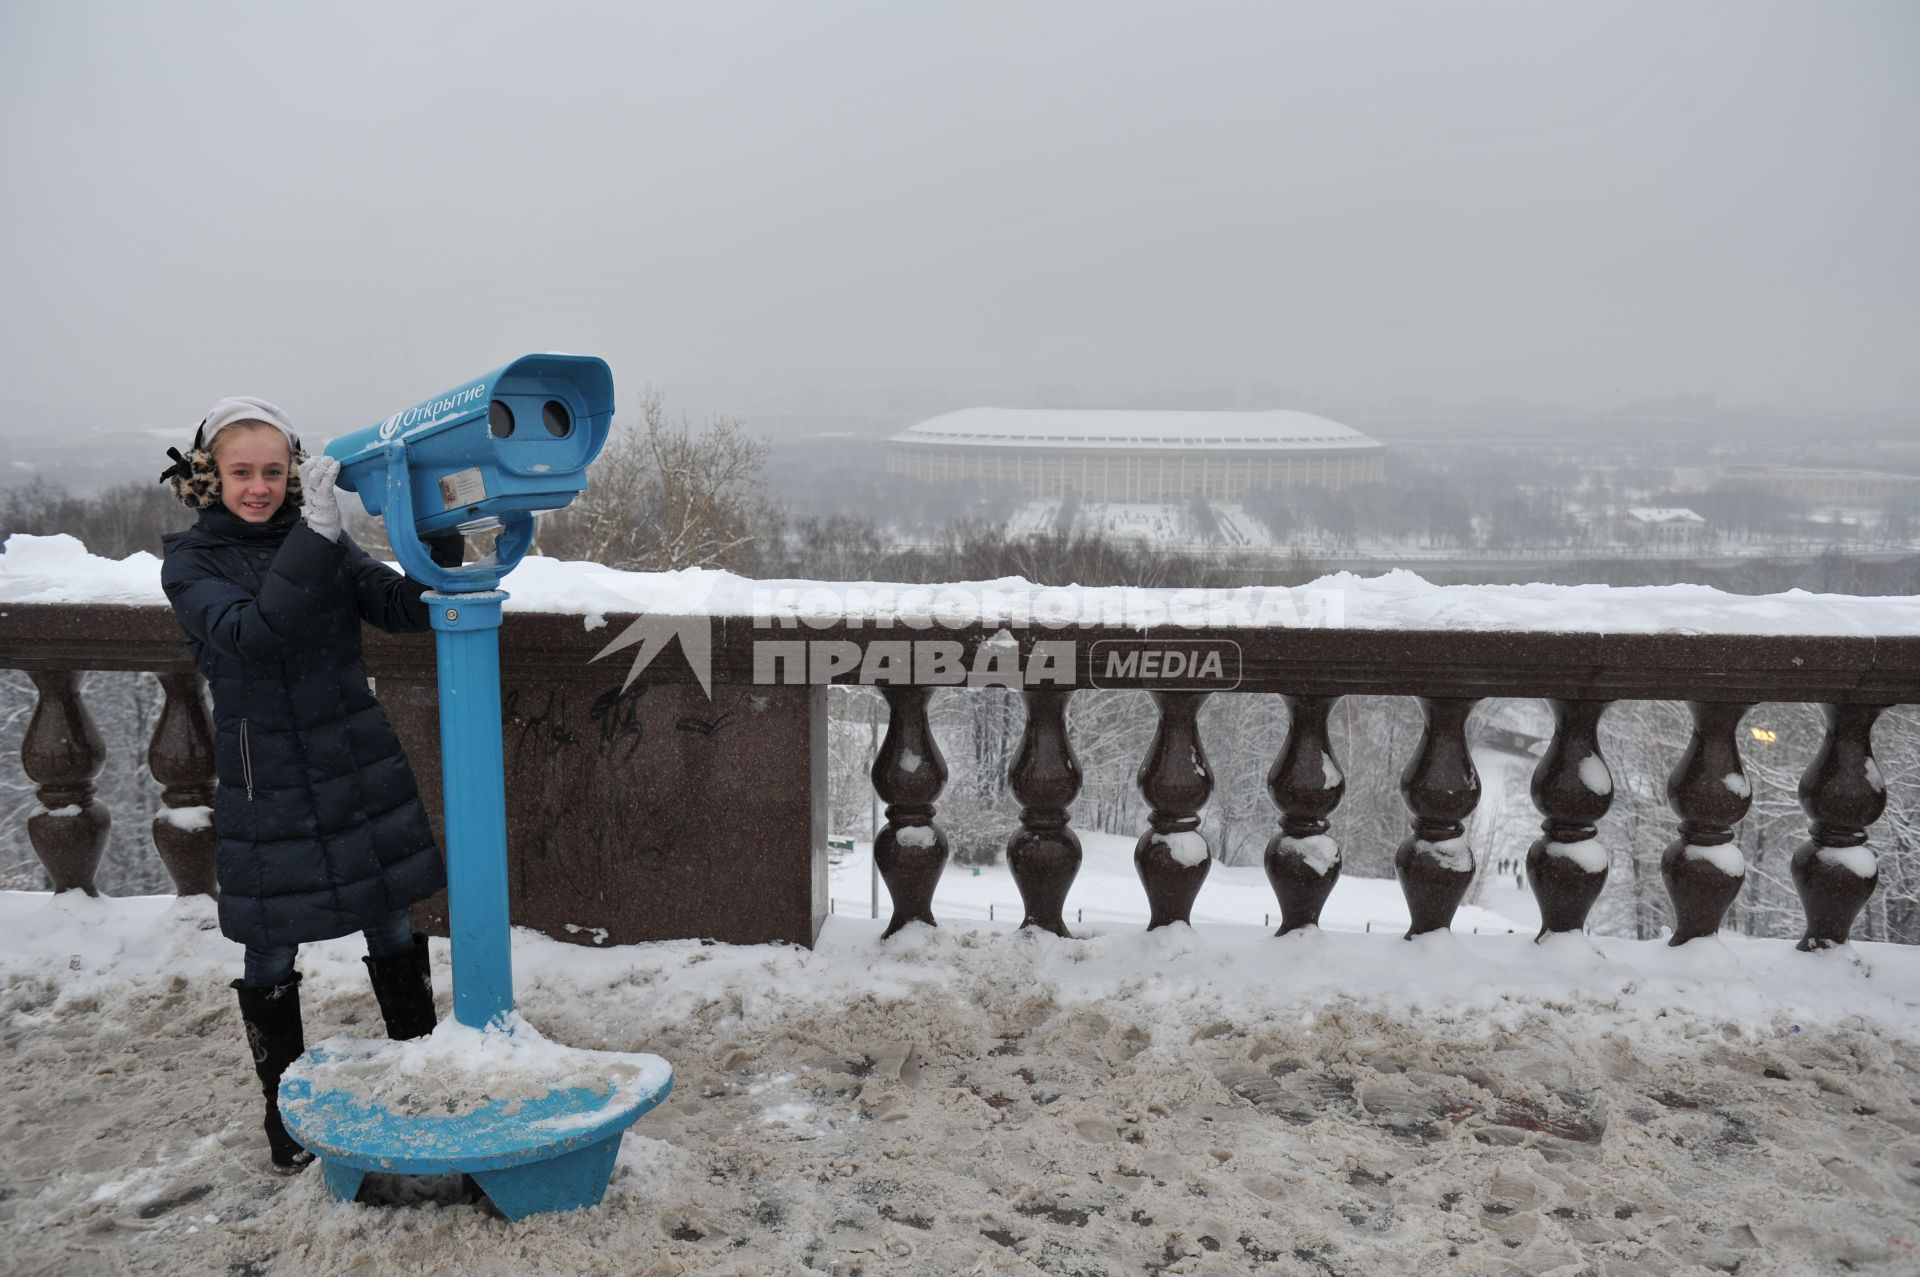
[125,707]
[1243,735]
[1641,741]
[113,523]
[1373,737]
[663,496]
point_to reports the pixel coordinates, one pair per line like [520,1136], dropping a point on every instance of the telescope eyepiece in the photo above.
[491,453]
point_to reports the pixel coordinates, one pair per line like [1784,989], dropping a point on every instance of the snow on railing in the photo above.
[58,569]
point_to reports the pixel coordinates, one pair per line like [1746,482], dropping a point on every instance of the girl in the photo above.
[320,829]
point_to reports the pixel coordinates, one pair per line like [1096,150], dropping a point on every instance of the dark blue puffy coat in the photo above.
[321,830]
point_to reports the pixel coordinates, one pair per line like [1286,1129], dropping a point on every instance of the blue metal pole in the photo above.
[467,643]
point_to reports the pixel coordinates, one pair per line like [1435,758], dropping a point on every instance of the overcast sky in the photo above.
[346,208]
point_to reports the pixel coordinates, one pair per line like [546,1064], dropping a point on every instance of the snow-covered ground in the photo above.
[1240,530]
[1147,522]
[1107,889]
[1165,526]
[971,1100]
[1035,518]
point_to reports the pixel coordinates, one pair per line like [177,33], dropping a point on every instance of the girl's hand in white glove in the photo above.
[319,504]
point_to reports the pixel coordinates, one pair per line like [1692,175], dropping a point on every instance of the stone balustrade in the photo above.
[656,810]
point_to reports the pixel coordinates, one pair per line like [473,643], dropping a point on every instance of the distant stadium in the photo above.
[1136,456]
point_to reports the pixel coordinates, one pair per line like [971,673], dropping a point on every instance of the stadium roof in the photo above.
[1134,428]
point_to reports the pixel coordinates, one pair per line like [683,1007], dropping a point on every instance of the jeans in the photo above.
[266,967]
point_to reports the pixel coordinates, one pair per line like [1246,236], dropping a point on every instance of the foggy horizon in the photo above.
[759,204]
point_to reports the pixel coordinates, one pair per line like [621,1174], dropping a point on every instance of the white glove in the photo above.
[319,504]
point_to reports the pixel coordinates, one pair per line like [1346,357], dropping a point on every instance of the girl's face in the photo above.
[253,463]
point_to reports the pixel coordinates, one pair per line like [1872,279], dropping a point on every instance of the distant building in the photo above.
[1137,456]
[1819,486]
[1663,525]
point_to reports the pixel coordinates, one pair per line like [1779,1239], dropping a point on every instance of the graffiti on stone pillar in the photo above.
[617,712]
[543,729]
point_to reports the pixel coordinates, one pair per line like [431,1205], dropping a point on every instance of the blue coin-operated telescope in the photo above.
[490,453]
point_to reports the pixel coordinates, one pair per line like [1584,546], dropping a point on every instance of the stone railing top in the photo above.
[61,608]
[58,569]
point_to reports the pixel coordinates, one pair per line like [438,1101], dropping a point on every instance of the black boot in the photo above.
[272,1017]
[403,987]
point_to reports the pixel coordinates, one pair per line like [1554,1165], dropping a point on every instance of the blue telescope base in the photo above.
[530,1154]
[553,1153]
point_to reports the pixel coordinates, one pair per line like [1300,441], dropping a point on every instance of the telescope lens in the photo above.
[558,420]
[499,419]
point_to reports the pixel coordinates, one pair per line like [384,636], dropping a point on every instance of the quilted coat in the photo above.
[320,827]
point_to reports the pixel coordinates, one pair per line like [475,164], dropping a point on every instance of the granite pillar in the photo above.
[651,813]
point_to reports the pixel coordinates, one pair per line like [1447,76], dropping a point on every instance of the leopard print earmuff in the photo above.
[195,478]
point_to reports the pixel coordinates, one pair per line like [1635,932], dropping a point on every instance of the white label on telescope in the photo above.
[463,487]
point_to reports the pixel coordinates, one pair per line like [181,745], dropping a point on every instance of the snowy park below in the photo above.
[973,1100]
[1164,525]
[1107,892]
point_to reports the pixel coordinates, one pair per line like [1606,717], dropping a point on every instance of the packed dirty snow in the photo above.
[972,1100]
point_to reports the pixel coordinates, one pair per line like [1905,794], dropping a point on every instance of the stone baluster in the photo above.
[1441,789]
[908,774]
[1572,788]
[181,759]
[1171,857]
[1842,793]
[61,754]
[1708,790]
[1303,860]
[1044,854]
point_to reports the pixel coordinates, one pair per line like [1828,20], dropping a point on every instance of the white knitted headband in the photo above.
[240,408]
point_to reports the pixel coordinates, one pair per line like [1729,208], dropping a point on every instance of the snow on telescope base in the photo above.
[537,1124]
